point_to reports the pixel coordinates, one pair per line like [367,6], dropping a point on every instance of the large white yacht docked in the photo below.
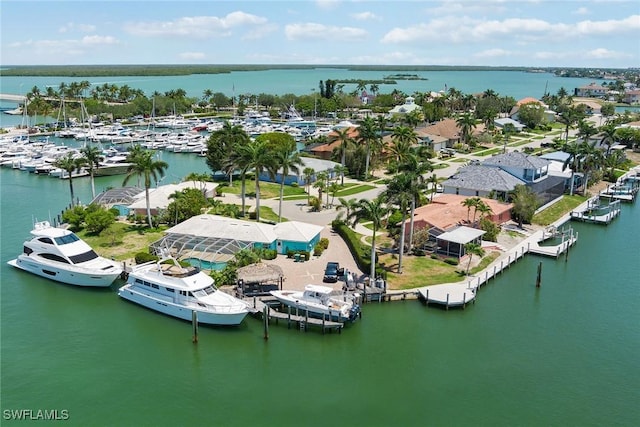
[60,255]
[178,291]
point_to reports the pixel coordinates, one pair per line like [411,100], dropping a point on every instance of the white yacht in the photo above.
[60,255]
[178,291]
[320,301]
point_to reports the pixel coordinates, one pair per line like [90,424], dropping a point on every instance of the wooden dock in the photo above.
[300,320]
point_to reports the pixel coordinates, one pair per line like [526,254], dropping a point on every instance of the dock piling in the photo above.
[539,277]
[194,324]
[265,316]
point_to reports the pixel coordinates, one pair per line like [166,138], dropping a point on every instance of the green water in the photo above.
[565,354]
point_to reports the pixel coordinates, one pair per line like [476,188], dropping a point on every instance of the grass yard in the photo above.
[354,189]
[268,190]
[491,151]
[558,209]
[418,271]
[126,241]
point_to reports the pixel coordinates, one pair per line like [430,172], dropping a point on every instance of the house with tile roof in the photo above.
[591,90]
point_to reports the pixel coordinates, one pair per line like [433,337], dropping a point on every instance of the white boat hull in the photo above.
[336,311]
[68,275]
[184,312]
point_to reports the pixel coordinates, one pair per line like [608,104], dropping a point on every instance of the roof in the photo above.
[483,178]
[506,120]
[206,225]
[122,195]
[528,100]
[446,211]
[295,231]
[447,128]
[259,272]
[516,159]
[461,235]
[556,156]
[159,196]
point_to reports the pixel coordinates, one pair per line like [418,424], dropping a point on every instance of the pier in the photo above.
[300,320]
[596,213]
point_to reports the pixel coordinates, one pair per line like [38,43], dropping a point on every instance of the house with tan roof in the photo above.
[592,90]
[549,115]
[324,151]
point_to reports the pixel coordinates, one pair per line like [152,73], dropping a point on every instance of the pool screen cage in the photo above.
[212,249]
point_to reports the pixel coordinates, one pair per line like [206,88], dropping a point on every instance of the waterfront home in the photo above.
[590,107]
[632,96]
[523,166]
[591,90]
[118,198]
[406,108]
[440,135]
[325,150]
[549,115]
[481,181]
[318,165]
[212,240]
[159,197]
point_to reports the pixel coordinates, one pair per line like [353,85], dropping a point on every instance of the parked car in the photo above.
[331,272]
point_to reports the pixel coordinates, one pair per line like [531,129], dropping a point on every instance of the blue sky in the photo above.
[596,33]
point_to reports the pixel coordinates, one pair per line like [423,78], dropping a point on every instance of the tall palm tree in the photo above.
[308,174]
[375,211]
[367,134]
[415,168]
[467,123]
[592,160]
[93,157]
[470,202]
[608,133]
[473,249]
[568,117]
[286,159]
[70,164]
[574,159]
[433,181]
[145,166]
[259,157]
[342,135]
[322,179]
[403,138]
[221,144]
[349,205]
[399,192]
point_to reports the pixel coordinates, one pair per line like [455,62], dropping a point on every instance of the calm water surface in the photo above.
[564,355]
[517,84]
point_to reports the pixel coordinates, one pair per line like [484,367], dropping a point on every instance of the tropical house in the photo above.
[160,197]
[318,165]
[210,241]
[406,108]
[591,90]
[503,122]
[481,181]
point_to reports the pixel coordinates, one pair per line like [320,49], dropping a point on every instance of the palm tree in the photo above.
[221,144]
[472,249]
[433,181]
[608,133]
[484,210]
[143,165]
[470,202]
[342,135]
[287,159]
[308,174]
[592,159]
[466,122]
[367,134]
[342,171]
[375,211]
[92,156]
[239,160]
[403,138]
[568,118]
[575,156]
[400,192]
[70,164]
[349,205]
[259,157]
[415,167]
[322,179]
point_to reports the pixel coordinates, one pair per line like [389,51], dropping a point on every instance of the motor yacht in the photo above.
[59,254]
[320,301]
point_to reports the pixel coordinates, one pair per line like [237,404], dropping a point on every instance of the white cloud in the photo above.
[98,40]
[63,49]
[366,16]
[314,31]
[81,28]
[196,26]
[327,4]
[468,30]
[602,53]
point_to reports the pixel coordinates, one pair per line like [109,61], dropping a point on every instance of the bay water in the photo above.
[565,354]
[518,84]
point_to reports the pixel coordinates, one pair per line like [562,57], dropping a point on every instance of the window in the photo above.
[170,290]
[154,286]
[87,256]
[46,240]
[69,238]
[54,257]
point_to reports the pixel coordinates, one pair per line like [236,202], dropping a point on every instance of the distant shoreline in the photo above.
[181,70]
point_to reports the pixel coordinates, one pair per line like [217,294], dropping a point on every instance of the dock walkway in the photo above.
[302,321]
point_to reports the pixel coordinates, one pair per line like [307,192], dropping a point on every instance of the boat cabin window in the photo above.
[154,286]
[54,257]
[87,256]
[170,290]
[69,238]
[46,240]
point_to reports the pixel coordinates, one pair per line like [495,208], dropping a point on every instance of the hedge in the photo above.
[361,253]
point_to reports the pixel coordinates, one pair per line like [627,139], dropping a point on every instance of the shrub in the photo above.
[361,252]
[324,243]
[452,261]
[434,256]
[142,257]
[318,249]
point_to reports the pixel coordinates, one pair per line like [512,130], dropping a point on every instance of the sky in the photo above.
[531,33]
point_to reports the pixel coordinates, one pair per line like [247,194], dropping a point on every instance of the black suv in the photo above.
[331,272]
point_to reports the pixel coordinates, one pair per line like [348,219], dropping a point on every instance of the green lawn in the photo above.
[128,240]
[491,151]
[354,189]
[268,190]
[558,209]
